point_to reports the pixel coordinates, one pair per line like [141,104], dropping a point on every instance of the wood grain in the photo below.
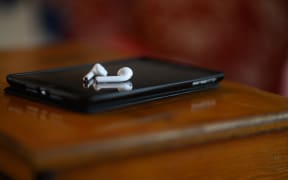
[203,125]
[262,156]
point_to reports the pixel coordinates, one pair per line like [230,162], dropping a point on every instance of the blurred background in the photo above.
[246,39]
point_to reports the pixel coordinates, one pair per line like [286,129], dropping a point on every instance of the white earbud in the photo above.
[97,70]
[120,86]
[124,74]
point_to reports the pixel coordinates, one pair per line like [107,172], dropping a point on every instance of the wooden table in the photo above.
[233,132]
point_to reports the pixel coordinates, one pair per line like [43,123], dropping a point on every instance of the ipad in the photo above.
[152,79]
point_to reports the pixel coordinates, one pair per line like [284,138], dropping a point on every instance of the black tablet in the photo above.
[152,80]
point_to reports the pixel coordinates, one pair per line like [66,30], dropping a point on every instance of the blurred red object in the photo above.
[245,39]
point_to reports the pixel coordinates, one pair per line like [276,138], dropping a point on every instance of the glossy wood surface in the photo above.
[194,130]
[262,156]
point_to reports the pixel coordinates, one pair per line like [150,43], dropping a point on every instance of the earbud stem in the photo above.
[89,76]
[97,70]
[107,79]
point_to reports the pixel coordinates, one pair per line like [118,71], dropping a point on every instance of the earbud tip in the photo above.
[125,71]
[100,70]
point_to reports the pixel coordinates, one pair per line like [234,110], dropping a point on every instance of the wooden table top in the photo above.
[196,131]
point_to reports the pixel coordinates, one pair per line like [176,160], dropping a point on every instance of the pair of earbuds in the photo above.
[101,75]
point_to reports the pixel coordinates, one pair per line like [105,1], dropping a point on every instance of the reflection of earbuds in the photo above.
[97,69]
[123,74]
[88,84]
[124,86]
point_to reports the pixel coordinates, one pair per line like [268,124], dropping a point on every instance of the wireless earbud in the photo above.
[124,74]
[97,70]
[120,86]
